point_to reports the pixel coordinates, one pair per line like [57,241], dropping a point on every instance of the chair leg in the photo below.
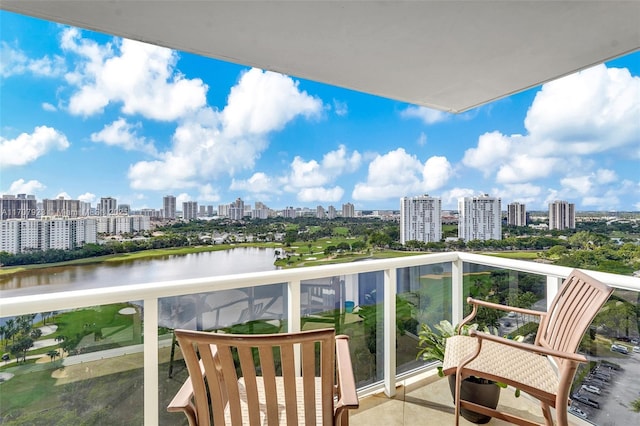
[548,418]
[457,398]
[173,351]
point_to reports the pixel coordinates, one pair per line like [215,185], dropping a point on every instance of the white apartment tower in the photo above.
[562,215]
[236,210]
[516,214]
[348,210]
[420,219]
[190,210]
[169,206]
[480,218]
[320,213]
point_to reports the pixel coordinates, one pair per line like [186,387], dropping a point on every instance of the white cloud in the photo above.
[341,108]
[87,197]
[49,107]
[257,183]
[525,168]
[122,134]
[397,174]
[14,61]
[591,111]
[570,120]
[265,101]
[450,198]
[208,193]
[436,173]
[208,143]
[182,198]
[21,186]
[427,115]
[526,193]
[493,148]
[29,147]
[64,195]
[140,76]
[422,139]
[320,194]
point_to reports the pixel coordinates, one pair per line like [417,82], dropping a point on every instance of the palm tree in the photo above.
[53,353]
[3,331]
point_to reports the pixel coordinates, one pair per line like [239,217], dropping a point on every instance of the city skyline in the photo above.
[87,116]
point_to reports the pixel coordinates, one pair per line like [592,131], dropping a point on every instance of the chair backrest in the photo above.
[259,377]
[572,310]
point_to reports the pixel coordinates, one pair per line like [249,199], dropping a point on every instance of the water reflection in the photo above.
[165,268]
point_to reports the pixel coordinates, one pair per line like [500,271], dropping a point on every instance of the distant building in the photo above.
[320,213]
[236,210]
[190,210]
[562,215]
[60,207]
[25,235]
[331,212]
[516,214]
[420,219]
[348,210]
[289,213]
[479,218]
[169,206]
[108,205]
[21,206]
[124,209]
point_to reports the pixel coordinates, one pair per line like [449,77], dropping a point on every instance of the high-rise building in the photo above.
[320,213]
[108,206]
[480,218]
[190,210]
[420,219]
[331,212]
[236,210]
[60,207]
[348,210]
[562,215]
[169,206]
[124,209]
[289,213]
[516,214]
[21,206]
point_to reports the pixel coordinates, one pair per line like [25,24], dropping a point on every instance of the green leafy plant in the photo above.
[431,344]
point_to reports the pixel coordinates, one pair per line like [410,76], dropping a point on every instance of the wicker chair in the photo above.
[544,369]
[255,380]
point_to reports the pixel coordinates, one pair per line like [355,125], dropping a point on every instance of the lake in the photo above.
[139,271]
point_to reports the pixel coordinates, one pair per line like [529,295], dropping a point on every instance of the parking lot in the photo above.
[618,389]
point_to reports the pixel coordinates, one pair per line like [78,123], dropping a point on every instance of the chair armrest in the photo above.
[529,347]
[182,398]
[347,395]
[476,303]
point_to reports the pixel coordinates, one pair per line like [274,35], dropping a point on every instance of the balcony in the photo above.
[121,353]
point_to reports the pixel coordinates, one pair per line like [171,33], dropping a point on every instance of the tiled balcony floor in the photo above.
[428,402]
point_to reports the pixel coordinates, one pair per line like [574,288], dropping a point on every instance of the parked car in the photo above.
[623,338]
[619,348]
[578,412]
[591,388]
[6,357]
[636,349]
[587,401]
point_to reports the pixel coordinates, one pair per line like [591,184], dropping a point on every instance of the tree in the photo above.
[53,353]
[21,347]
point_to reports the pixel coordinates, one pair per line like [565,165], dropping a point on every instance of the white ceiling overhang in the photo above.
[448,55]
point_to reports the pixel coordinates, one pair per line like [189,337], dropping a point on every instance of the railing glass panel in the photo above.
[83,363]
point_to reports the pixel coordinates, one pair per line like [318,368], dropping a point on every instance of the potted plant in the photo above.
[475,389]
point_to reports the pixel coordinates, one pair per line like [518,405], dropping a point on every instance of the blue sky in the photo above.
[84,115]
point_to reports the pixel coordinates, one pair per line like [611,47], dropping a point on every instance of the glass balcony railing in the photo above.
[113,357]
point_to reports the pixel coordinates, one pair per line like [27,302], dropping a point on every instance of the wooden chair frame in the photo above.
[297,395]
[553,354]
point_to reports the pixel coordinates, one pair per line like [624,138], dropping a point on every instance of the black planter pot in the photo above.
[486,394]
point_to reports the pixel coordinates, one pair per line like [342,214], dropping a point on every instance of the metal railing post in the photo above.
[457,304]
[151,405]
[293,316]
[553,285]
[390,286]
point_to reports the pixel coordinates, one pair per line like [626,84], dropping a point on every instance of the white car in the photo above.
[591,388]
[619,348]
[578,412]
[636,349]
